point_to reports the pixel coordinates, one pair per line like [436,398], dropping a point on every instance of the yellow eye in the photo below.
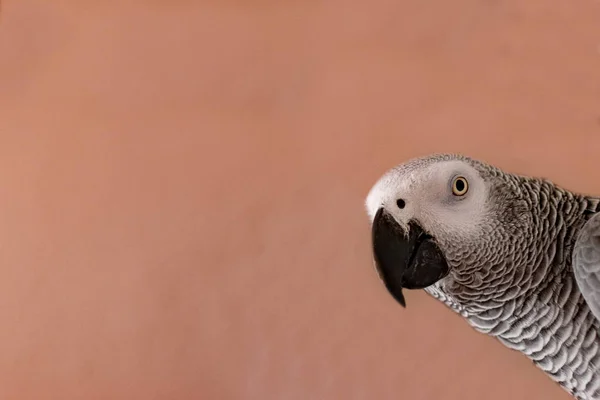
[460,186]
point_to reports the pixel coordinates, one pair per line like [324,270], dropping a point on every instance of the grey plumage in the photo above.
[527,269]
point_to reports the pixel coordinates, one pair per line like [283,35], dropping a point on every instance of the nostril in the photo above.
[400,203]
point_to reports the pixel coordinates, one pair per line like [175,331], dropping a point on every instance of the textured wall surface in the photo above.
[182,187]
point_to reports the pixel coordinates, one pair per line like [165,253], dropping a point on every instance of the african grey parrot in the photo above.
[517,256]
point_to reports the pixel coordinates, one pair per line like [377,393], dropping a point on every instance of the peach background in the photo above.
[182,186]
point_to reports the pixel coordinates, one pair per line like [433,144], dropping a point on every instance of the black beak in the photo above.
[410,260]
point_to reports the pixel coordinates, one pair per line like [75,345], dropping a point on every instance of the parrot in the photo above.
[516,256]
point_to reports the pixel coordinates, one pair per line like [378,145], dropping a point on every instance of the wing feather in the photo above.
[586,263]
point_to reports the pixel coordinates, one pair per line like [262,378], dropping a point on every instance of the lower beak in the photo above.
[405,259]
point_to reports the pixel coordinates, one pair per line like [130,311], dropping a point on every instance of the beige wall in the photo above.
[181,188]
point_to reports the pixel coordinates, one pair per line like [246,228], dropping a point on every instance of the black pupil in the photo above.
[400,203]
[460,185]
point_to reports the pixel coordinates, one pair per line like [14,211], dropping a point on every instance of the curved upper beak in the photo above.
[409,259]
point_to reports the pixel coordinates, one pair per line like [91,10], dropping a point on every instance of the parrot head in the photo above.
[446,221]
